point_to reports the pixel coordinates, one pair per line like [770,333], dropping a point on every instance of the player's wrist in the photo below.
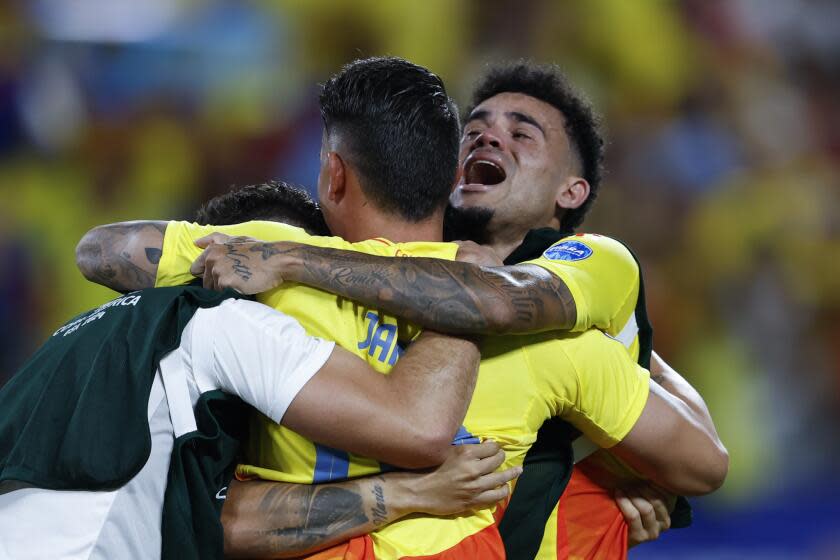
[403,497]
[285,262]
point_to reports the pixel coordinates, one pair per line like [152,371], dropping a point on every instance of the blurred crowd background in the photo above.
[723,124]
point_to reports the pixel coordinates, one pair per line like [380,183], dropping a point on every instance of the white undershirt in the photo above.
[241,347]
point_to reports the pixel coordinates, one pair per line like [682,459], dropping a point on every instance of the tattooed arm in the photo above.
[454,297]
[122,256]
[275,520]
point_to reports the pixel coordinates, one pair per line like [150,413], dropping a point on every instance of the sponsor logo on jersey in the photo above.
[568,251]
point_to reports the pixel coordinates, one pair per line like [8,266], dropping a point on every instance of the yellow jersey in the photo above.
[604,280]
[585,378]
[603,277]
[376,337]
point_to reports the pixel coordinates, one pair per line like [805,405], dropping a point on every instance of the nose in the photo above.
[488,138]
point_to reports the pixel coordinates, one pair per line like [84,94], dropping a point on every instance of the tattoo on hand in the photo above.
[239,267]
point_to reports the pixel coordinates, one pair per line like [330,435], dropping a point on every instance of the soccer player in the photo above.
[142,363]
[530,158]
[384,173]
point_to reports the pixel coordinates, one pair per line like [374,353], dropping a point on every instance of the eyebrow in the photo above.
[514,115]
[523,118]
[478,116]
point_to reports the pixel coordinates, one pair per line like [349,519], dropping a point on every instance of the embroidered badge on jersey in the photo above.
[568,251]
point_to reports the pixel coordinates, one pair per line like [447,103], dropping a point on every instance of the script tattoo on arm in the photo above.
[380,510]
[448,296]
[122,256]
[277,519]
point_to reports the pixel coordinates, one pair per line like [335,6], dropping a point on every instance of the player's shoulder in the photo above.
[582,246]
[590,249]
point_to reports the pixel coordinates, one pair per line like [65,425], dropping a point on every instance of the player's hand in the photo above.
[472,252]
[645,510]
[243,264]
[465,481]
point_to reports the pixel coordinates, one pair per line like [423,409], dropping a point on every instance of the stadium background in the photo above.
[723,159]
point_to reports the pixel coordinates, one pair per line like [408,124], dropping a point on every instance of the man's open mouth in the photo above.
[483,170]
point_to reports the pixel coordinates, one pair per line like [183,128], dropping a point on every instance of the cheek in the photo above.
[532,190]
[462,155]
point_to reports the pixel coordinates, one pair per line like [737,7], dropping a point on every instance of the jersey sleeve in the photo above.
[257,353]
[591,382]
[180,250]
[601,275]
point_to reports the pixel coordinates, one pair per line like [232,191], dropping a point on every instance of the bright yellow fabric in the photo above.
[280,453]
[605,287]
[604,284]
[586,378]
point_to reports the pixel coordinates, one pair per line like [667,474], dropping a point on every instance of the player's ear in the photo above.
[572,193]
[337,171]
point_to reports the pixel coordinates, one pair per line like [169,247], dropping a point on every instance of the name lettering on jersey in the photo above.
[568,251]
[96,314]
[381,339]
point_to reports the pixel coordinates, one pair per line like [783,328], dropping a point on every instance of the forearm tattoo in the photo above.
[309,517]
[449,296]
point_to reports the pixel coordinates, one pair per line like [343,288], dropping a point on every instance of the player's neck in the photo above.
[505,238]
[394,228]
[504,247]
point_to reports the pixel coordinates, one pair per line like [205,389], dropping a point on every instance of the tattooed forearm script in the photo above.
[449,296]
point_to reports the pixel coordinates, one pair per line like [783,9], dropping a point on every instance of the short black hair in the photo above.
[401,130]
[547,83]
[275,201]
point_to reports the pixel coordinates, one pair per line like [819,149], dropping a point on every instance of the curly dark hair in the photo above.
[547,83]
[274,201]
[401,130]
